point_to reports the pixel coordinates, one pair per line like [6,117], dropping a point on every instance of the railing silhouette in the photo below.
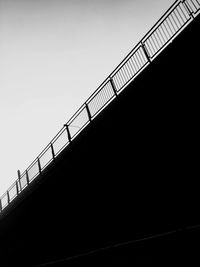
[177,17]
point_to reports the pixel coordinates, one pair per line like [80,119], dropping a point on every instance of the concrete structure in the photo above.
[131,173]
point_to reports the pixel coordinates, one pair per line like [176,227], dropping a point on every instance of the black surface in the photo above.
[133,172]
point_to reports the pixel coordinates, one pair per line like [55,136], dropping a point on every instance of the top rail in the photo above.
[173,21]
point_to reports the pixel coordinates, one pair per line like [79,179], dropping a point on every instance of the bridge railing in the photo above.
[175,19]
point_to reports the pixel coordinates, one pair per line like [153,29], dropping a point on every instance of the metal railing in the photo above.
[177,17]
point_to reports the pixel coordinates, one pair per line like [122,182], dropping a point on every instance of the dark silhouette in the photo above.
[125,190]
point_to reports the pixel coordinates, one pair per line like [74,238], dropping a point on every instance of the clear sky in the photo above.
[53,55]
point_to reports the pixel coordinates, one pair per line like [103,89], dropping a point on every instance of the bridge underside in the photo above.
[130,174]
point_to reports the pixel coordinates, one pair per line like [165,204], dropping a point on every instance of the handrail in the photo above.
[174,20]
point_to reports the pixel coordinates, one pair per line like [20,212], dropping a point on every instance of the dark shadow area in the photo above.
[130,174]
[161,249]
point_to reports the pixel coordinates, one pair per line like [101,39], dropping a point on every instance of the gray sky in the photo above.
[53,55]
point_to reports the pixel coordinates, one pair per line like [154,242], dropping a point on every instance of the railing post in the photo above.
[88,112]
[113,86]
[52,151]
[0,205]
[8,197]
[39,165]
[187,7]
[68,132]
[19,178]
[146,52]
[27,177]
[17,188]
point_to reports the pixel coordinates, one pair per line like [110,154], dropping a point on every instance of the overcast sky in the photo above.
[53,55]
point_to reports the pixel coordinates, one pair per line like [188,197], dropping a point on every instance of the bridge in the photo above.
[119,182]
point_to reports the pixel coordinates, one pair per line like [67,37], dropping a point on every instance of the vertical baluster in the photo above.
[52,151]
[113,86]
[0,205]
[27,177]
[146,52]
[8,197]
[39,166]
[19,179]
[17,188]
[88,112]
[68,132]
